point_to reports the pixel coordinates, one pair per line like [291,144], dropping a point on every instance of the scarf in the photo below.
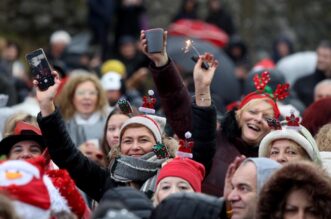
[127,169]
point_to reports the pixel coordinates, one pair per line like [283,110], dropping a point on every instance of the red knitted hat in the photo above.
[185,168]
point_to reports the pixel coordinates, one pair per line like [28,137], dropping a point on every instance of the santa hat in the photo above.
[146,121]
[185,168]
[25,185]
[23,131]
[185,146]
[37,191]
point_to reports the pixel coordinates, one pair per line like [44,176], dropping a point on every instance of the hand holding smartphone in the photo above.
[40,69]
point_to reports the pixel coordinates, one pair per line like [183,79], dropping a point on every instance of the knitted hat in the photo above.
[132,199]
[23,131]
[111,81]
[317,114]
[60,36]
[146,121]
[187,169]
[301,136]
[190,205]
[113,65]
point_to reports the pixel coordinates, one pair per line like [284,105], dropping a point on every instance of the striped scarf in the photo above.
[144,170]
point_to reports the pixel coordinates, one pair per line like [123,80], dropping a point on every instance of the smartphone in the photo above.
[40,68]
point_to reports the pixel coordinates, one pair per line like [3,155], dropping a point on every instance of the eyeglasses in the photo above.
[86,92]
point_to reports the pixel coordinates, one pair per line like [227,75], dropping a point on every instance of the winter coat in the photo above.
[229,145]
[88,176]
[304,86]
[184,115]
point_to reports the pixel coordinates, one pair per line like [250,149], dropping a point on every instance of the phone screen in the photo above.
[40,68]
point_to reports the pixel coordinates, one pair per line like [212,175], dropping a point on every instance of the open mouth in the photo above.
[254,127]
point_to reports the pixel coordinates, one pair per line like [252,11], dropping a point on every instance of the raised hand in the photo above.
[46,98]
[202,79]
[159,59]
[229,174]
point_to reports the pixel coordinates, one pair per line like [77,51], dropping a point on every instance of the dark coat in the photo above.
[184,115]
[88,176]
[190,205]
[229,145]
[304,86]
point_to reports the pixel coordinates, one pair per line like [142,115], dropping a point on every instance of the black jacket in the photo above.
[304,86]
[89,177]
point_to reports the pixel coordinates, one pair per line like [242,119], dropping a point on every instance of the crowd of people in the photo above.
[128,137]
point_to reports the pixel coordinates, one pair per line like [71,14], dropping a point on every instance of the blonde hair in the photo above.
[65,99]
[239,112]
[323,138]
[12,120]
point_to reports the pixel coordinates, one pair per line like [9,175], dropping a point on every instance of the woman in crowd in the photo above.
[136,164]
[178,175]
[298,190]
[290,145]
[111,131]
[83,104]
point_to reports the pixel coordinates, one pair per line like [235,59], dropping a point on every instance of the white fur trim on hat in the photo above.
[294,135]
[146,121]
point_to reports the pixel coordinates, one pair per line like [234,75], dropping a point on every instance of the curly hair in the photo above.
[65,99]
[304,176]
[323,138]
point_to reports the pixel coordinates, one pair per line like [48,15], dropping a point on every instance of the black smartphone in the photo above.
[40,69]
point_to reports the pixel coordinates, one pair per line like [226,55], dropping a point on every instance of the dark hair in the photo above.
[304,176]
[105,147]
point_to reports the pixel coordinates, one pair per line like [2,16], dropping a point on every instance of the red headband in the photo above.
[255,96]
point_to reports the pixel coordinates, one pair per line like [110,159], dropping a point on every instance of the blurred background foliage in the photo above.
[306,22]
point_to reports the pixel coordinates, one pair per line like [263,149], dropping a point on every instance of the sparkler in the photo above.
[189,46]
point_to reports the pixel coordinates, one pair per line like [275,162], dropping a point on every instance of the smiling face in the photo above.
[85,98]
[137,141]
[252,120]
[24,150]
[285,150]
[170,185]
[299,205]
[243,196]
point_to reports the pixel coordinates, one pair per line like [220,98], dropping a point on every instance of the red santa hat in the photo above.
[25,185]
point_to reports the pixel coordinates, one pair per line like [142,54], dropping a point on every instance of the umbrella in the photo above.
[297,65]
[224,83]
[199,30]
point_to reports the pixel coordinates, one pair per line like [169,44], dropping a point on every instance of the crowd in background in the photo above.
[103,145]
